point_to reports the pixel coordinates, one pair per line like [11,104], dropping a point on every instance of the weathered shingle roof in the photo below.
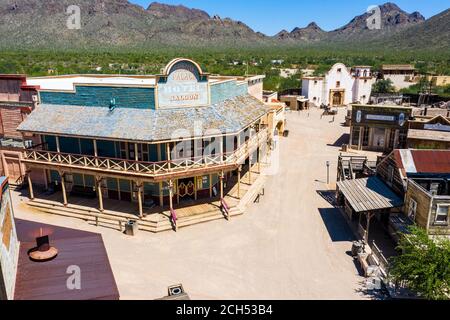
[144,125]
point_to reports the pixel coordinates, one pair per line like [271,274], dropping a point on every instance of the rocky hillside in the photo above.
[118,23]
[311,33]
[393,20]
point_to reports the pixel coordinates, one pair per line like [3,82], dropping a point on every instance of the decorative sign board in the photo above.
[379,117]
[182,85]
[437,127]
[9,244]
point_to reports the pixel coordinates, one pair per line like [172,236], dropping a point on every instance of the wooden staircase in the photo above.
[117,221]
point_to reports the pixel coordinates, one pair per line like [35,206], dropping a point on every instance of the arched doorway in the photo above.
[337,98]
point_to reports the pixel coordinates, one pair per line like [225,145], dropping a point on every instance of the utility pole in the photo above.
[328,172]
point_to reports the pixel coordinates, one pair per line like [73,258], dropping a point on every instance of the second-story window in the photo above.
[442,211]
[338,84]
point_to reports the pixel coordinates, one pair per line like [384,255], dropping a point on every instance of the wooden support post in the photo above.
[136,156]
[221,184]
[139,187]
[58,149]
[170,194]
[210,186]
[239,182]
[195,188]
[30,186]
[361,134]
[168,154]
[221,149]
[98,181]
[158,149]
[63,186]
[94,142]
[178,193]
[171,202]
[258,160]
[366,236]
[161,196]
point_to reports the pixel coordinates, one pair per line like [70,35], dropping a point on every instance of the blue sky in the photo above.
[271,16]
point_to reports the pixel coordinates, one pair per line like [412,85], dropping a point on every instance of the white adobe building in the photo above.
[339,86]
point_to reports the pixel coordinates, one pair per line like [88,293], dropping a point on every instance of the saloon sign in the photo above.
[182,85]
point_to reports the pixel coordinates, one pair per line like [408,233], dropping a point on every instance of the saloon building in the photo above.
[164,140]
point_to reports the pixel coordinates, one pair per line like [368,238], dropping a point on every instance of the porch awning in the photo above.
[369,194]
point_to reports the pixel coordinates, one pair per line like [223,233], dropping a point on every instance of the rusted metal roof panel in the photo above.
[145,125]
[48,280]
[423,161]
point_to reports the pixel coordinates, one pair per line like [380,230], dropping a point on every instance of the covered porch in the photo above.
[367,198]
[237,192]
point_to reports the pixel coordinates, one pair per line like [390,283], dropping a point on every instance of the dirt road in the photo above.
[290,245]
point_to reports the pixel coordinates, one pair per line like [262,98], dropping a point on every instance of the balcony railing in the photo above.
[87,162]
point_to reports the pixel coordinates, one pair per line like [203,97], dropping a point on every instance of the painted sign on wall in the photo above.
[437,127]
[378,117]
[183,85]
[9,244]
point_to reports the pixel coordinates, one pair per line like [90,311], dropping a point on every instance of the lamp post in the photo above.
[328,172]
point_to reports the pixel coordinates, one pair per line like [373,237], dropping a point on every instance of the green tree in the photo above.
[383,86]
[424,264]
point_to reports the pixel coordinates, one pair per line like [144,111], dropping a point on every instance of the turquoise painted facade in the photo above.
[99,96]
[227,90]
[130,97]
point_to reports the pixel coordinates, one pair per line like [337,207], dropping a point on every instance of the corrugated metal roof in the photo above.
[145,125]
[423,161]
[368,194]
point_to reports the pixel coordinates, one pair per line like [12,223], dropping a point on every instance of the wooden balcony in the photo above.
[148,170]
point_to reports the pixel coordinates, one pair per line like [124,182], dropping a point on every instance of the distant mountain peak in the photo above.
[312,32]
[389,6]
[162,10]
[313,25]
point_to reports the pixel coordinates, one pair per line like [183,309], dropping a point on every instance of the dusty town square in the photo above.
[292,243]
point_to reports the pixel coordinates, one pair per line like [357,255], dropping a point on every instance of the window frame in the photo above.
[436,221]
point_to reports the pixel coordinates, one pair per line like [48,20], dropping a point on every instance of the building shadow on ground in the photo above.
[336,225]
[328,195]
[343,139]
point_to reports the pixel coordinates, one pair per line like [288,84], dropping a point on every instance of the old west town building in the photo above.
[179,138]
[340,86]
[379,127]
[17,100]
